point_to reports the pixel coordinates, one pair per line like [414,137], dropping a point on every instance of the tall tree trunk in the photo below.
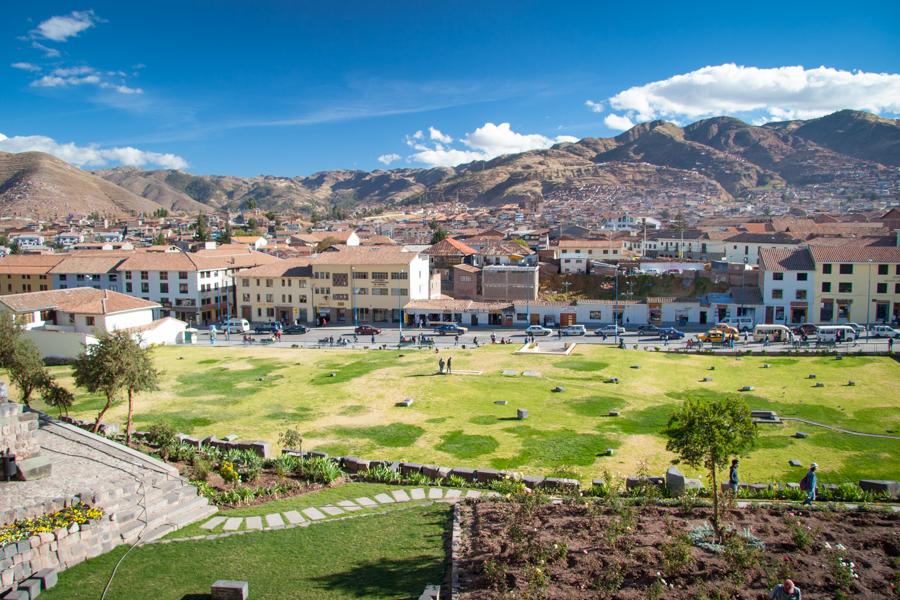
[102,412]
[130,414]
[715,519]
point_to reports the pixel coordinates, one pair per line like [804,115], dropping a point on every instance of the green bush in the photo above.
[382,474]
[202,468]
[162,434]
[319,470]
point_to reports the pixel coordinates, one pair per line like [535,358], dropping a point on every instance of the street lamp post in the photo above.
[616,309]
[400,308]
[868,299]
[353,297]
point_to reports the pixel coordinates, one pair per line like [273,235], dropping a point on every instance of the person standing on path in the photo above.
[733,478]
[785,591]
[456,340]
[449,365]
[808,484]
[441,365]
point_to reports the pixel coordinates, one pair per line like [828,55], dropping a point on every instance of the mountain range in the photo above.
[722,157]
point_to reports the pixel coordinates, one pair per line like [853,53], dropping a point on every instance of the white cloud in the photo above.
[486,142]
[91,155]
[597,107]
[85,75]
[48,52]
[437,136]
[61,28]
[618,122]
[780,93]
[25,66]
[387,159]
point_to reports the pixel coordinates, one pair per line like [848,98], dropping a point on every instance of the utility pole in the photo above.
[616,309]
[868,299]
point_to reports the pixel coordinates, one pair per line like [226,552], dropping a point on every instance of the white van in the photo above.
[773,333]
[740,323]
[829,333]
[573,330]
[235,325]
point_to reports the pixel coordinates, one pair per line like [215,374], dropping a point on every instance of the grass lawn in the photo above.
[454,421]
[393,555]
[349,491]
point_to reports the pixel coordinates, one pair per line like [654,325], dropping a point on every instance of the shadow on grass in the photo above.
[196,597]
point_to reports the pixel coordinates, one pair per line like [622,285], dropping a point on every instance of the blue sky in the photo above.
[290,88]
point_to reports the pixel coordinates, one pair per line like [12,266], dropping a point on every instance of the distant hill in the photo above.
[37,184]
[716,160]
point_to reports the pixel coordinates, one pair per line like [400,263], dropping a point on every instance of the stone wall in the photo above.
[18,437]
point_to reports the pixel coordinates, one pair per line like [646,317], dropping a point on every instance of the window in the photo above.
[379,291]
[62,276]
[881,288]
[164,275]
[398,292]
[269,298]
[402,275]
[113,277]
[145,275]
[379,275]
[127,274]
[882,269]
[245,282]
[845,287]
[339,279]
[145,287]
[521,316]
[777,294]
[89,321]
[802,276]
[778,276]
[826,286]
[322,275]
[182,288]
[269,283]
[360,275]
[270,312]
[343,297]
[79,277]
[128,287]
[245,297]
[71,319]
[361,291]
[182,274]
[845,269]
[324,291]
[164,288]
[897,288]
[595,315]
[800,295]
[826,269]
[302,299]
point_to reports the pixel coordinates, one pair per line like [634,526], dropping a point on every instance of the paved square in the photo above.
[332,510]
[417,494]
[453,494]
[435,493]
[349,505]
[366,502]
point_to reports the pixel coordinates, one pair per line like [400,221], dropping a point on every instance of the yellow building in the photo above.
[856,284]
[22,273]
[279,291]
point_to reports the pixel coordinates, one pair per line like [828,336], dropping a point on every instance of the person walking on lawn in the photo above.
[808,485]
[441,365]
[733,478]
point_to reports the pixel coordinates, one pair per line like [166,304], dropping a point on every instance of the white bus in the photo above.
[831,334]
[773,333]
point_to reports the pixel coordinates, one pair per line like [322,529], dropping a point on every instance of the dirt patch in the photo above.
[524,549]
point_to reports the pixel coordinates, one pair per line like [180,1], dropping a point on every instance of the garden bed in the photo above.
[527,548]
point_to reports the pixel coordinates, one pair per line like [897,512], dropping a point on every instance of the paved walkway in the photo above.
[841,430]
[221,526]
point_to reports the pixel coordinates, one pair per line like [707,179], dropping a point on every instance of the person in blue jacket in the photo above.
[809,484]
[733,478]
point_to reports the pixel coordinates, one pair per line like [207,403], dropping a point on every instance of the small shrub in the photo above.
[291,438]
[609,581]
[202,468]
[508,487]
[537,579]
[319,470]
[801,535]
[161,434]
[844,572]
[740,557]
[676,554]
[382,474]
[456,481]
[495,574]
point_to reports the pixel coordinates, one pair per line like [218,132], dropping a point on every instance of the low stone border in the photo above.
[455,548]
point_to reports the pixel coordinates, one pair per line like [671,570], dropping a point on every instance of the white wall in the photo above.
[59,344]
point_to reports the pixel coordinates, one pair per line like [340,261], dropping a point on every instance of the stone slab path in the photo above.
[302,517]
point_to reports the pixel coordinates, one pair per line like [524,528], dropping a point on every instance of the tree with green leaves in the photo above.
[202,231]
[228,233]
[57,396]
[10,332]
[159,240]
[327,243]
[707,433]
[438,235]
[27,369]
[114,364]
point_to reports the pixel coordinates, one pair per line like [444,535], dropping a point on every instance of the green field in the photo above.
[454,421]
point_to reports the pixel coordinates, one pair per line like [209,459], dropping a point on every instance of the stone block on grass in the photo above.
[501,402]
[561,484]
[465,474]
[881,486]
[521,414]
[487,475]
[353,464]
[531,481]
[47,577]
[407,468]
[795,463]
[226,589]
[405,403]
[800,435]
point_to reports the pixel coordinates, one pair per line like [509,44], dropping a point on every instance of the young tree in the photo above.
[226,236]
[707,433]
[105,367]
[159,240]
[26,369]
[10,332]
[57,396]
[438,235]
[140,376]
[202,233]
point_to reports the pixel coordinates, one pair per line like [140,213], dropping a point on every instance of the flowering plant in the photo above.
[20,530]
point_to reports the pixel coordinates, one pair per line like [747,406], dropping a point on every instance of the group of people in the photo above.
[807,484]
[445,368]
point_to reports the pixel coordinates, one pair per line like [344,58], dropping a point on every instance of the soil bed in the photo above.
[526,549]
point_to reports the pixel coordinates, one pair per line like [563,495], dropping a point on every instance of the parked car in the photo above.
[885,331]
[859,329]
[610,329]
[538,330]
[234,325]
[648,330]
[266,327]
[670,333]
[715,336]
[806,329]
[450,329]
[296,329]
[366,330]
[573,330]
